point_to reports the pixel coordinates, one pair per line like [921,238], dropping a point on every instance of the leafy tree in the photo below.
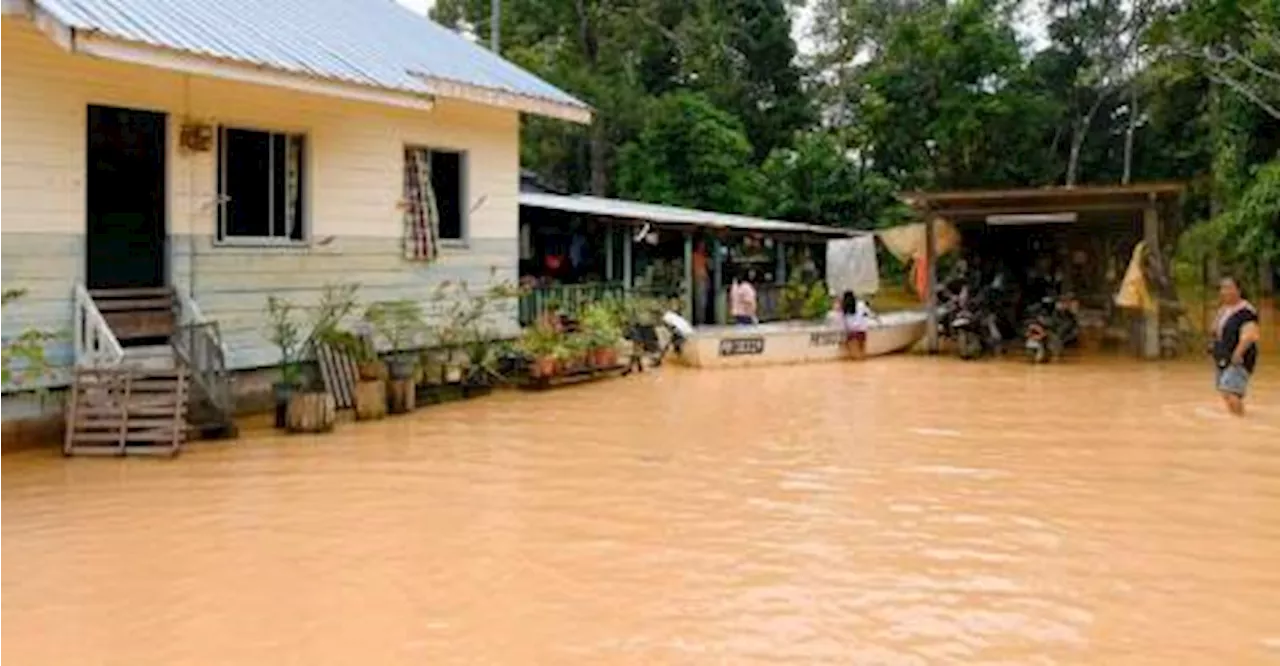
[620,55]
[689,154]
[821,180]
[946,103]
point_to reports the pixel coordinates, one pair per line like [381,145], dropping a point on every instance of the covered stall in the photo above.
[576,248]
[1083,236]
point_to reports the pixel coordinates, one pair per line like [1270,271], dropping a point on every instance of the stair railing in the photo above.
[95,345]
[198,343]
[198,346]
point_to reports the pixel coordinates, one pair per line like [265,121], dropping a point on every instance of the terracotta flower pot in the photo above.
[543,366]
[604,357]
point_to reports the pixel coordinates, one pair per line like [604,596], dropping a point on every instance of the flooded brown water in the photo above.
[900,511]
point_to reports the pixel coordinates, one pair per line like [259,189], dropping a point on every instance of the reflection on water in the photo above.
[899,511]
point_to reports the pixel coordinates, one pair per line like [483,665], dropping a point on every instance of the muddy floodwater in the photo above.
[903,510]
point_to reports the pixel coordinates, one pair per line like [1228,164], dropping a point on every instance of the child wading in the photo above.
[855,317]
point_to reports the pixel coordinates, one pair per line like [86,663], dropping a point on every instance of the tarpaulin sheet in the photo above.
[1133,293]
[907,242]
[852,265]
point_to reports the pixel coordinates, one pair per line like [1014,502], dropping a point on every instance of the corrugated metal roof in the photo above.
[636,210]
[368,42]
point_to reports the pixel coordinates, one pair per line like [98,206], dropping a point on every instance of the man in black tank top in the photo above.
[1235,344]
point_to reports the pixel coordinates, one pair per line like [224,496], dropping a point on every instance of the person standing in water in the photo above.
[1235,344]
[855,317]
[742,301]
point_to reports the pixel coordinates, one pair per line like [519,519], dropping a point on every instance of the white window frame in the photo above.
[221,237]
[464,186]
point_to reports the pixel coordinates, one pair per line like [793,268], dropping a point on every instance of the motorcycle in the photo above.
[974,328]
[1051,326]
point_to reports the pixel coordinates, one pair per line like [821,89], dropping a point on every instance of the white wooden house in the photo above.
[229,150]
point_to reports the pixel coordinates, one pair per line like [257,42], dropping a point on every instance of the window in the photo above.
[448,187]
[260,186]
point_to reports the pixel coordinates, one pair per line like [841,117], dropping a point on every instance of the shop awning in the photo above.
[630,212]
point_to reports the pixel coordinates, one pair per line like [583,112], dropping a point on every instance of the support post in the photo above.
[717,279]
[608,254]
[627,242]
[1151,328]
[688,276]
[781,272]
[931,283]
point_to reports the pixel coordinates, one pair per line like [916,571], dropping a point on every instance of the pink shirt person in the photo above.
[742,302]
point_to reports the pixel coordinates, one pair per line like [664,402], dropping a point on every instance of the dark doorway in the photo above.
[125,231]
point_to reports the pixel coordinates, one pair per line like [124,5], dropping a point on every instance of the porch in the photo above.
[578,249]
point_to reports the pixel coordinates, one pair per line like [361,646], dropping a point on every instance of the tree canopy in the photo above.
[707,103]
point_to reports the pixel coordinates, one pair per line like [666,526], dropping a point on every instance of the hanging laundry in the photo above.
[852,265]
[1133,292]
[907,241]
[577,247]
[920,275]
[526,242]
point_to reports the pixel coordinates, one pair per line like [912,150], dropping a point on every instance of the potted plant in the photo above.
[23,358]
[370,395]
[602,332]
[398,324]
[286,334]
[466,334]
[543,344]
[309,406]
[574,349]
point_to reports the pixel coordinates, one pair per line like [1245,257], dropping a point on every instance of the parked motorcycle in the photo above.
[1051,327]
[974,329]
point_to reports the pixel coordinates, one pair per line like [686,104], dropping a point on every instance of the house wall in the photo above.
[353,171]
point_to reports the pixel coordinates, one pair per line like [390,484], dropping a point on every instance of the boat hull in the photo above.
[795,342]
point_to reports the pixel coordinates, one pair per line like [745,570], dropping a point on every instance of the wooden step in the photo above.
[128,423]
[108,305]
[131,292]
[133,409]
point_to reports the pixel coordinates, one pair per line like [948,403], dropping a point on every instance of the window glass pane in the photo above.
[446,181]
[246,177]
[279,144]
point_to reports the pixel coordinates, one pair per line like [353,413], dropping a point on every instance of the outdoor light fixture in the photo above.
[1031,218]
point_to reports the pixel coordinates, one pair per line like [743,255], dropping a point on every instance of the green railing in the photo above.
[570,299]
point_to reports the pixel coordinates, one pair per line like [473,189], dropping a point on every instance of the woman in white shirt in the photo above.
[856,318]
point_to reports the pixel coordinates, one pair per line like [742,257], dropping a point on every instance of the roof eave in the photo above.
[540,106]
[100,45]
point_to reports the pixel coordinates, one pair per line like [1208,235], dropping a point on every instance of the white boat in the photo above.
[796,342]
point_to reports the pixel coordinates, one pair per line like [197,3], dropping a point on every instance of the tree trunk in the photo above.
[599,146]
[599,149]
[1073,159]
[1128,133]
[1081,132]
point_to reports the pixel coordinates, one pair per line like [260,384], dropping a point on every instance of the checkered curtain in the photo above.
[421,217]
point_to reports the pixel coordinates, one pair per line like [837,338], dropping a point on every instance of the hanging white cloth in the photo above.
[852,265]
[526,242]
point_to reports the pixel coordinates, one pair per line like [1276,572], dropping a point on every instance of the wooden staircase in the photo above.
[150,371]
